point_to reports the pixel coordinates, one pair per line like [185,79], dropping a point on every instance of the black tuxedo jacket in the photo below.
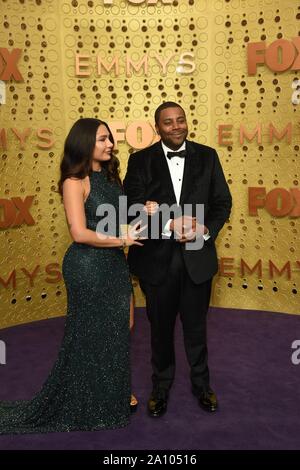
[148,178]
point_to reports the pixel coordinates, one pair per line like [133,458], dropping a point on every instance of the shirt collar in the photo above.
[167,149]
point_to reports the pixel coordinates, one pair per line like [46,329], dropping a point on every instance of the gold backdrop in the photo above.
[118,60]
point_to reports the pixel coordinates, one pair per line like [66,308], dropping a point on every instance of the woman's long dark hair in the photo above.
[78,153]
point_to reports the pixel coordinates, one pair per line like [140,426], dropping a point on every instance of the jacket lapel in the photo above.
[161,173]
[188,174]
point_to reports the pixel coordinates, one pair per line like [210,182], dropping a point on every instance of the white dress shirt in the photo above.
[176,169]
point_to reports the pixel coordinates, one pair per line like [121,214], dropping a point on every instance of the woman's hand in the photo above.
[133,234]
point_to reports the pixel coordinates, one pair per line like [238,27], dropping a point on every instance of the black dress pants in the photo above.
[178,293]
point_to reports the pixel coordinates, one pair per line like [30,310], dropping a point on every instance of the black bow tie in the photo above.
[181,154]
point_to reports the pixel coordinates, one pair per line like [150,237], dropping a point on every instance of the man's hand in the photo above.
[151,207]
[186,229]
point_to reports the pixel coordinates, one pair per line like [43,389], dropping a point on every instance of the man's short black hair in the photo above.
[167,104]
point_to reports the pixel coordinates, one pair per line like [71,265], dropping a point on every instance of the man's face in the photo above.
[172,127]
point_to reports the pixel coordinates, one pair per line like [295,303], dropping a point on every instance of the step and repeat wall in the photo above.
[234,66]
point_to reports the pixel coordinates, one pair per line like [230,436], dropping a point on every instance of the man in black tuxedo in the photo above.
[174,278]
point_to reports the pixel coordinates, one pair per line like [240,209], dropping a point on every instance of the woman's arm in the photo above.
[73,199]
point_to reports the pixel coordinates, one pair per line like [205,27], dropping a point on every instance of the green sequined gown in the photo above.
[89,385]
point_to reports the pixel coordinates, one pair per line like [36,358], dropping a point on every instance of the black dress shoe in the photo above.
[208,401]
[157,406]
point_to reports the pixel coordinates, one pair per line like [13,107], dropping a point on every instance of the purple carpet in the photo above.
[251,371]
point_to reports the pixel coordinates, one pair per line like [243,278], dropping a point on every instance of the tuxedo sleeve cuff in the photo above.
[206,236]
[166,231]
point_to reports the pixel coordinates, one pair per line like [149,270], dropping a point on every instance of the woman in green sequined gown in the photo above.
[89,385]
